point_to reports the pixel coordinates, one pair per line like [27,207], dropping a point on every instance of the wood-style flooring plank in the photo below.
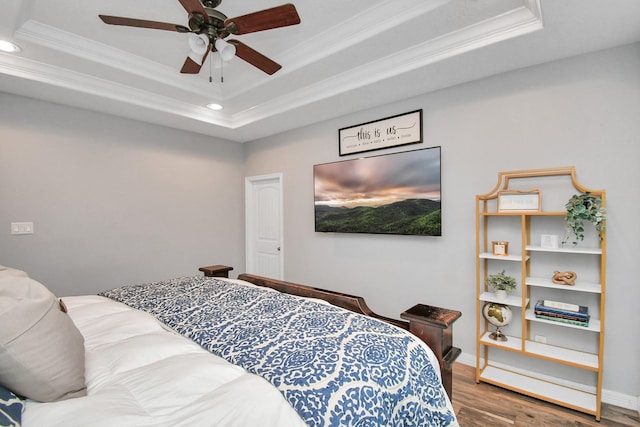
[482,405]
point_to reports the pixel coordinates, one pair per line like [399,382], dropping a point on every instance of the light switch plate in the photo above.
[22,228]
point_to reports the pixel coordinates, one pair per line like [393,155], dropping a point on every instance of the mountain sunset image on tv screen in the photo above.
[395,193]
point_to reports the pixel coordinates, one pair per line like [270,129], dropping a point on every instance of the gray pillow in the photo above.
[41,350]
[12,271]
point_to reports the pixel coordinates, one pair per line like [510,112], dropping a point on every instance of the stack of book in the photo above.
[562,312]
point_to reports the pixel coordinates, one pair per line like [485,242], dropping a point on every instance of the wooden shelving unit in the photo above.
[580,350]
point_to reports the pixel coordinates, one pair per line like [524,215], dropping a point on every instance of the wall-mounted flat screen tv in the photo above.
[395,193]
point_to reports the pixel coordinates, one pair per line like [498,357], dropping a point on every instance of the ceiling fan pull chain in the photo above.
[210,72]
[221,70]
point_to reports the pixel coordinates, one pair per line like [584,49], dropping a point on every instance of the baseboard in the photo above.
[621,400]
[608,396]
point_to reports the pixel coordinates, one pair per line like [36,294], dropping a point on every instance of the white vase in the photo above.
[500,294]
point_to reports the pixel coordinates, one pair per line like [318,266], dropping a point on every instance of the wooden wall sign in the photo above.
[392,131]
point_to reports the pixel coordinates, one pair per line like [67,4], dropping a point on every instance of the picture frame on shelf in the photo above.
[519,201]
[549,241]
[500,248]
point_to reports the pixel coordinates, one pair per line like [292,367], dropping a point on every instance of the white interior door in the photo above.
[264,225]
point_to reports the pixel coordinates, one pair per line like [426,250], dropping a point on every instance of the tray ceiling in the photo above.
[343,57]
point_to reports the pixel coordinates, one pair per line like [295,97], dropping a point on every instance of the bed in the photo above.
[213,351]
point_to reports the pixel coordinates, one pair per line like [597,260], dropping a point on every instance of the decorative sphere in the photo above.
[497,314]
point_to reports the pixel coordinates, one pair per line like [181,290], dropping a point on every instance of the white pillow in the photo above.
[41,350]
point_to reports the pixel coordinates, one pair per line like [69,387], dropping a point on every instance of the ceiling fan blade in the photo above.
[194,6]
[141,23]
[192,67]
[255,58]
[276,17]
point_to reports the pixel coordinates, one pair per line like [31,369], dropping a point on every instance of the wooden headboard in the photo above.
[433,325]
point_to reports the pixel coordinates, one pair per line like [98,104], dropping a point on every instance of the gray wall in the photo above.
[114,201]
[582,111]
[117,201]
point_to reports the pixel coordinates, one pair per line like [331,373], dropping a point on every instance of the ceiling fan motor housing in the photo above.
[213,28]
[211,3]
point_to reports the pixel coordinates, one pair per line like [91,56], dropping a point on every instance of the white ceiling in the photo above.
[345,56]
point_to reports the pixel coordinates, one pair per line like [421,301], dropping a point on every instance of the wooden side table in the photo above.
[216,271]
[434,326]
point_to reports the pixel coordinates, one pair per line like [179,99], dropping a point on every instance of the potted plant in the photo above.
[580,208]
[501,284]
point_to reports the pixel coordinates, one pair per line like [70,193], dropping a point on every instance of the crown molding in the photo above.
[72,44]
[91,85]
[382,18]
[517,22]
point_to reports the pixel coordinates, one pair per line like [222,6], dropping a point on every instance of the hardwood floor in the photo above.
[486,405]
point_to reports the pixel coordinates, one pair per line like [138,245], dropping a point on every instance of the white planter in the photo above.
[500,294]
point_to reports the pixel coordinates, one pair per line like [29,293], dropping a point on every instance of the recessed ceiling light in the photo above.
[214,106]
[6,46]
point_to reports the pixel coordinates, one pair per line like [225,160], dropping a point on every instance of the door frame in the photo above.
[250,183]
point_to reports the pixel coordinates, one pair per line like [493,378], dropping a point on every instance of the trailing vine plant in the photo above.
[581,208]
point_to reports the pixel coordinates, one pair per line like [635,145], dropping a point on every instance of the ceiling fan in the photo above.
[210,27]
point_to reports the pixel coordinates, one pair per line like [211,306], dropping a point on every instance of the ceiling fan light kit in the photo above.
[226,50]
[198,43]
[210,27]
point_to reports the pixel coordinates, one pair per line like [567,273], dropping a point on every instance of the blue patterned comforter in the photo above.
[335,367]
